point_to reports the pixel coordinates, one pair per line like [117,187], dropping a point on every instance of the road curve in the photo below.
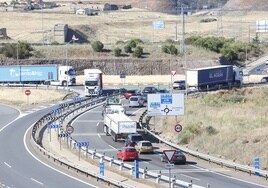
[18,168]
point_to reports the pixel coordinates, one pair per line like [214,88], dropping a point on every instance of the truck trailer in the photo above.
[216,77]
[38,74]
[93,82]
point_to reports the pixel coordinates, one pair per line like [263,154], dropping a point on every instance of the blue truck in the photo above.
[215,77]
[38,74]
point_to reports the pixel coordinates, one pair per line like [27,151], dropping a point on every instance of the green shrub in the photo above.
[117,52]
[171,49]
[97,46]
[55,43]
[127,48]
[211,130]
[132,44]
[205,20]
[138,52]
[22,50]
[119,42]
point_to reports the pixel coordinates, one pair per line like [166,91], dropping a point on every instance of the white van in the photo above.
[136,101]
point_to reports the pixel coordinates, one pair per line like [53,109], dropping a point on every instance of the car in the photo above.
[127,154]
[130,93]
[144,146]
[179,84]
[136,101]
[178,158]
[148,90]
[132,139]
[264,79]
[163,91]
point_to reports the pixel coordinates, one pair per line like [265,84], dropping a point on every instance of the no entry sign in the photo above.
[27,92]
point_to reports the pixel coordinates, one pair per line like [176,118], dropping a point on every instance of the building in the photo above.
[60,32]
[3,33]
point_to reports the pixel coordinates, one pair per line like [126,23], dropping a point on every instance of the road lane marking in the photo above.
[87,121]
[37,181]
[190,177]
[88,134]
[7,164]
[112,146]
[99,135]
[98,123]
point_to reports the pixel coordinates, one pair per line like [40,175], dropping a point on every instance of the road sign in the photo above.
[77,99]
[257,165]
[53,126]
[165,104]
[102,168]
[173,73]
[158,25]
[82,144]
[136,168]
[55,111]
[69,129]
[169,165]
[27,92]
[178,128]
[63,135]
[62,105]
[169,154]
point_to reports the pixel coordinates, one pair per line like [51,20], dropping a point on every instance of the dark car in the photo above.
[132,139]
[178,158]
[148,90]
[179,84]
[163,91]
[264,79]
[130,93]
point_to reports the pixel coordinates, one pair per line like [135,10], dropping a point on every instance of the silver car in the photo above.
[179,84]
[136,101]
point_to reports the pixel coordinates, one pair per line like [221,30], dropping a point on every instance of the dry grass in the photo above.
[17,97]
[239,128]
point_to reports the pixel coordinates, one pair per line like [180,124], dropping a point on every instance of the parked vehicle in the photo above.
[132,139]
[127,154]
[116,122]
[136,101]
[130,93]
[178,158]
[179,84]
[217,77]
[148,90]
[264,79]
[144,146]
[93,82]
[163,91]
[38,74]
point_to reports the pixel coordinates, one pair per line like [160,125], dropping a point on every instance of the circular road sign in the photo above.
[178,128]
[27,92]
[69,129]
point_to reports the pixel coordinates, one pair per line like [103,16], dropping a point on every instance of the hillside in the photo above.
[260,5]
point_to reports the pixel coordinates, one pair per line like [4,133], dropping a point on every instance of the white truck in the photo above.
[93,82]
[117,123]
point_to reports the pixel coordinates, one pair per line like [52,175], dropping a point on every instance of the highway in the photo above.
[18,167]
[88,127]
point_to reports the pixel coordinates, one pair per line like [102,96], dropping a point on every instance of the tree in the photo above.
[127,48]
[97,46]
[117,52]
[138,52]
[21,50]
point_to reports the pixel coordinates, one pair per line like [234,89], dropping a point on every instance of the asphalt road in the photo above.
[88,128]
[18,168]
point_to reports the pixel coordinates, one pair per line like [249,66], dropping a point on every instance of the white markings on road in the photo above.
[112,147]
[190,177]
[7,164]
[37,181]
[88,134]
[98,123]
[87,121]
[99,136]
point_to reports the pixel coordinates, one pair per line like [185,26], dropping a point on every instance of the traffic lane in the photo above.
[8,114]
[18,167]
[261,69]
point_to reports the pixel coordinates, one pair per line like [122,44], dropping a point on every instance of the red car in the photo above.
[130,93]
[127,154]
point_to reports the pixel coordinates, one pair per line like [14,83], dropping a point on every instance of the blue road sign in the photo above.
[102,168]
[158,25]
[54,111]
[53,126]
[82,144]
[155,105]
[77,98]
[257,165]
[136,168]
[166,99]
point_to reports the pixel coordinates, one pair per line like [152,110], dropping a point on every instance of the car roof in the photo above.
[143,141]
[179,81]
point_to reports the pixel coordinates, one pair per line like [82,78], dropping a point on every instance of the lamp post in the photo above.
[170,69]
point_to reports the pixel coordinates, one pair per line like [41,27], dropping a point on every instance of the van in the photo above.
[136,101]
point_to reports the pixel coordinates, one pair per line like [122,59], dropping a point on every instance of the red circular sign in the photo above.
[178,128]
[27,92]
[69,129]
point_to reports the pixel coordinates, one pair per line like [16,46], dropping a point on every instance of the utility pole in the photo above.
[182,31]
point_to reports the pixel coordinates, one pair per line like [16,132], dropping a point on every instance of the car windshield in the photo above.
[146,144]
[133,99]
[130,149]
[72,72]
[178,152]
[137,138]
[131,91]
[91,83]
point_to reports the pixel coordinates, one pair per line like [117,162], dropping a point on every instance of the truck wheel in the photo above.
[115,138]
[105,130]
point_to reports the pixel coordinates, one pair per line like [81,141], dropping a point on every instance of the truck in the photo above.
[215,77]
[93,82]
[52,74]
[116,122]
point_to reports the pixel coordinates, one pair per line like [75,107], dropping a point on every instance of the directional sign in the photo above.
[257,165]
[69,129]
[169,166]
[63,135]
[51,118]
[158,25]
[62,105]
[27,92]
[136,168]
[55,111]
[53,126]
[77,99]
[169,154]
[82,144]
[165,104]
[178,128]
[102,168]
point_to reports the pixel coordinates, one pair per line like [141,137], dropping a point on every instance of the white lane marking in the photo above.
[226,176]
[98,123]
[112,146]
[26,147]
[190,177]
[99,136]
[11,122]
[86,121]
[37,181]
[88,134]
[7,164]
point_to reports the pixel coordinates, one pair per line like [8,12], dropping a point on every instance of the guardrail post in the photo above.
[208,186]
[144,173]
[121,166]
[172,183]
[93,154]
[190,184]
[158,178]
[111,161]
[131,170]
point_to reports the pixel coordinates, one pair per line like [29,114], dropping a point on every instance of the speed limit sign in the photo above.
[178,128]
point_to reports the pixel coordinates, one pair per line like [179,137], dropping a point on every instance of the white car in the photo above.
[136,101]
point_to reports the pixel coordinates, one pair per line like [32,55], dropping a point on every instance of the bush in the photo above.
[21,50]
[117,52]
[127,49]
[132,44]
[97,46]
[206,20]
[55,43]
[170,49]
[119,42]
[211,130]
[138,52]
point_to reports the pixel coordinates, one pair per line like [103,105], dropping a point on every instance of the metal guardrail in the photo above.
[213,159]
[89,105]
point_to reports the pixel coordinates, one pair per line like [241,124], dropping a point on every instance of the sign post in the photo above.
[169,155]
[27,92]
[101,167]
[136,165]
[257,165]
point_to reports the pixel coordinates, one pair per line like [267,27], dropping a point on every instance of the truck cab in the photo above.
[93,82]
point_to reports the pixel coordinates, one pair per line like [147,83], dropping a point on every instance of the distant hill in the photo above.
[257,5]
